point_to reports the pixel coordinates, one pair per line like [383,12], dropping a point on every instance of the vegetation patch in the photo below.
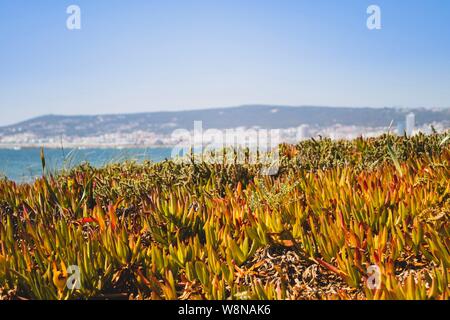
[336,215]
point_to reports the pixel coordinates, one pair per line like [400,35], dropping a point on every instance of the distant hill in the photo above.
[264,116]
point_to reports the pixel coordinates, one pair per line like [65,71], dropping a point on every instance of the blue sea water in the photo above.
[25,164]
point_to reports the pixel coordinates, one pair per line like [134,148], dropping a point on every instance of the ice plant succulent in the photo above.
[200,230]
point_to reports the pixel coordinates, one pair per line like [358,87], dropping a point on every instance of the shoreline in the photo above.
[83,147]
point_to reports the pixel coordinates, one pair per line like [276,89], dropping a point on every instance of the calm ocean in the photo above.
[25,164]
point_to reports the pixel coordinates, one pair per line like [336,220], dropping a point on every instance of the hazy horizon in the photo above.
[191,55]
[209,108]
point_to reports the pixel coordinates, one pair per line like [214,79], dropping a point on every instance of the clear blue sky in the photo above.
[133,56]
